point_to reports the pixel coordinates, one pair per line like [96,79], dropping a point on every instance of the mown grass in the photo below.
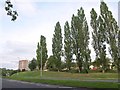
[68,79]
[64,75]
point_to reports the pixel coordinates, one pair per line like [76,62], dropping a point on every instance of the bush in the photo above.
[95,71]
[13,72]
[84,71]
[73,71]
[33,64]
[19,70]
[4,71]
[52,69]
[111,71]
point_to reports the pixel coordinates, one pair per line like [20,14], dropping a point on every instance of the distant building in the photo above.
[23,65]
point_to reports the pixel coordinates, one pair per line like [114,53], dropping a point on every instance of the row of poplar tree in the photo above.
[105,31]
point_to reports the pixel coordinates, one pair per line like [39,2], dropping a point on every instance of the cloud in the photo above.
[16,48]
[2,9]
[12,50]
[23,7]
[26,9]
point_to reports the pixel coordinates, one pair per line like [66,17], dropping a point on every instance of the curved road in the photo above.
[6,83]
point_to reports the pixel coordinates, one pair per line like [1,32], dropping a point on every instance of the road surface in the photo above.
[6,83]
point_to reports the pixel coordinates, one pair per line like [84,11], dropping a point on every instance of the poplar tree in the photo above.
[80,38]
[102,36]
[95,37]
[38,55]
[119,52]
[44,50]
[112,31]
[68,45]
[99,38]
[41,48]
[57,45]
[84,41]
[105,31]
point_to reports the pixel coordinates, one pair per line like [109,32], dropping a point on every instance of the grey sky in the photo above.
[36,17]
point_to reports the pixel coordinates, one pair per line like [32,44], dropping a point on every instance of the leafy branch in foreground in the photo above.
[10,12]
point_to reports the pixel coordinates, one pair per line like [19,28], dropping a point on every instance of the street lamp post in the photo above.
[18,66]
[41,61]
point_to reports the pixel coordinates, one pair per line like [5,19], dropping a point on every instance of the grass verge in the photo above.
[73,80]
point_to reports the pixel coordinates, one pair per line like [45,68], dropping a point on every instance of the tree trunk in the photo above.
[80,68]
[69,68]
[58,70]
[103,71]
[118,65]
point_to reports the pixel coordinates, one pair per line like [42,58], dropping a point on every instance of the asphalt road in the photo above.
[6,83]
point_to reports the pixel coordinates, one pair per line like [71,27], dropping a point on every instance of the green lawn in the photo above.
[64,75]
[68,79]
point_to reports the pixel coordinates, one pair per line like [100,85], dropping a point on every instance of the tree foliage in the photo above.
[51,64]
[94,23]
[80,38]
[68,45]
[76,41]
[7,72]
[99,38]
[112,31]
[10,12]
[41,50]
[57,45]
[44,50]
[32,65]
[38,52]
[105,31]
[119,52]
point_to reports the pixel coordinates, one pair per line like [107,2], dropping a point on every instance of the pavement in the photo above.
[114,80]
[88,80]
